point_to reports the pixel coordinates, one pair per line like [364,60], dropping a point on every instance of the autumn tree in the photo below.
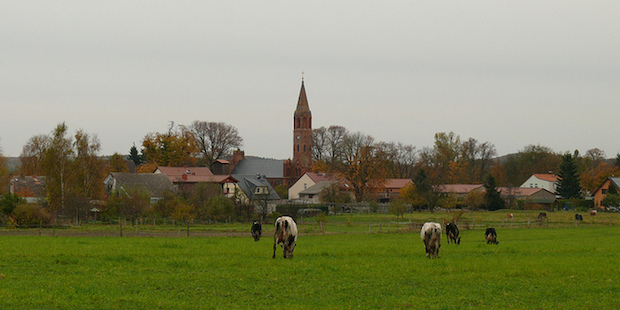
[4,173]
[89,167]
[117,163]
[568,185]
[328,144]
[531,160]
[56,165]
[175,148]
[363,167]
[32,154]
[426,190]
[215,140]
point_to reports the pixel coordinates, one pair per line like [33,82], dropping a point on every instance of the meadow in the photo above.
[341,266]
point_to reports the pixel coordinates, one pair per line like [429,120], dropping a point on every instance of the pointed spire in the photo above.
[302,103]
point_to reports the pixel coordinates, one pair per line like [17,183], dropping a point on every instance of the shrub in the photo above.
[31,215]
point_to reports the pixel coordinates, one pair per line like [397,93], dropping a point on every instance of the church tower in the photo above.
[302,140]
[302,131]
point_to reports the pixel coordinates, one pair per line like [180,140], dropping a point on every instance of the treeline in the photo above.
[75,170]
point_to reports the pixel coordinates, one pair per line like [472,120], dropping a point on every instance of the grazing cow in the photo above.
[286,233]
[491,235]
[431,236]
[510,216]
[257,230]
[542,216]
[578,217]
[593,212]
[452,233]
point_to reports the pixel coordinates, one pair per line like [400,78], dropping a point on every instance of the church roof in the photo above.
[302,103]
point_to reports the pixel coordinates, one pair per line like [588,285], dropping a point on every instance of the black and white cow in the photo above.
[452,233]
[542,216]
[431,236]
[491,235]
[257,230]
[578,217]
[286,233]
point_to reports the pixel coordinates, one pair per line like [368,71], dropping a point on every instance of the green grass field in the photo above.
[531,268]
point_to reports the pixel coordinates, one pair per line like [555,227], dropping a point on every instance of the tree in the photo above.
[426,190]
[4,174]
[568,177]
[117,163]
[56,166]
[215,140]
[363,167]
[9,202]
[531,160]
[398,207]
[32,155]
[135,156]
[492,198]
[175,148]
[89,167]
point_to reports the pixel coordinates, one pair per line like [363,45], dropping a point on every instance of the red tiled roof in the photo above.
[458,188]
[396,183]
[547,177]
[320,176]
[175,173]
[205,178]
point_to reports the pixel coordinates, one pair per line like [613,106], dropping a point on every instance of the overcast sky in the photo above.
[510,73]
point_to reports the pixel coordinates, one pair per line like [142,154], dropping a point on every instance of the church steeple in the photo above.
[302,130]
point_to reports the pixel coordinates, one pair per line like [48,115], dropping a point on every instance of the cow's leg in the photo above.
[274,248]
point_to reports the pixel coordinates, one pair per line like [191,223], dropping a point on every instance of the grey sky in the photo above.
[513,74]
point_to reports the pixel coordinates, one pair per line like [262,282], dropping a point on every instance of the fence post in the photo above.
[120,223]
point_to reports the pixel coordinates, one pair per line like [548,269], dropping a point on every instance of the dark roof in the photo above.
[317,188]
[271,168]
[248,183]
[29,186]
[155,183]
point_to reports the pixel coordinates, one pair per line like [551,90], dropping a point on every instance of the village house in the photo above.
[122,183]
[610,184]
[547,181]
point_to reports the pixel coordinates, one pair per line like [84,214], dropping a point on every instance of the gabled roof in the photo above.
[271,168]
[176,173]
[155,183]
[224,178]
[396,183]
[320,176]
[613,180]
[549,177]
[520,191]
[249,183]
[316,188]
[458,188]
[29,186]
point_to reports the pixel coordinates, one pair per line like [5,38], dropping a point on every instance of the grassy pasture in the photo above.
[537,268]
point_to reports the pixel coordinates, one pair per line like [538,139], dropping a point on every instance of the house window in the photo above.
[310,196]
[604,191]
[305,185]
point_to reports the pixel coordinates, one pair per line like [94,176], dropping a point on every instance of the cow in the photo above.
[431,236]
[286,233]
[510,216]
[593,212]
[578,217]
[257,230]
[542,216]
[491,235]
[452,233]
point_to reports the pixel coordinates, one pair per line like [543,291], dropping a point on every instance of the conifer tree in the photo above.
[492,198]
[568,178]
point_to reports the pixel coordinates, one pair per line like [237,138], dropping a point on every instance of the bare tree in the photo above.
[215,140]
[32,154]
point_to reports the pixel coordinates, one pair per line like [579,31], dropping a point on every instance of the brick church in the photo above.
[302,140]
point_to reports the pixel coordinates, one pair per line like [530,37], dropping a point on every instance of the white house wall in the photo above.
[303,183]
